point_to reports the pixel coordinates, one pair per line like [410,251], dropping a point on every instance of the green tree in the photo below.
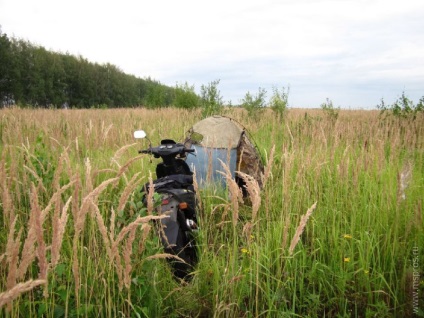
[36,77]
[403,107]
[157,94]
[279,101]
[211,99]
[185,96]
[329,109]
[254,104]
[6,67]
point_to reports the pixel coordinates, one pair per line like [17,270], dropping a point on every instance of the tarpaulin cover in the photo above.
[219,137]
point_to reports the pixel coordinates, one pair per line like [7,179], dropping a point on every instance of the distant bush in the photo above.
[254,104]
[211,99]
[279,101]
[185,96]
[403,107]
[329,109]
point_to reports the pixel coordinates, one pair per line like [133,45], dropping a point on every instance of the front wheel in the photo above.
[185,248]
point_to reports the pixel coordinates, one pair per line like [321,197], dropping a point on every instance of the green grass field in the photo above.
[75,240]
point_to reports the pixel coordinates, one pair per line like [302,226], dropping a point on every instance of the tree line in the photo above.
[32,76]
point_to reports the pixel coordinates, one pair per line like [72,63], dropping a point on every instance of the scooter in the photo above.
[174,184]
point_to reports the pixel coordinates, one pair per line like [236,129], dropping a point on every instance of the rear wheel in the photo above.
[186,250]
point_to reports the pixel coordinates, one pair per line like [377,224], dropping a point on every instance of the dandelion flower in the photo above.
[245,251]
[346,259]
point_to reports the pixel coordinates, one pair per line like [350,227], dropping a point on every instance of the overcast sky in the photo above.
[353,52]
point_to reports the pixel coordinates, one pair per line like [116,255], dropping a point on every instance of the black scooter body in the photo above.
[175,184]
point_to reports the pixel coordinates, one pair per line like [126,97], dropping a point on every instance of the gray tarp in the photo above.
[218,132]
[207,163]
[212,137]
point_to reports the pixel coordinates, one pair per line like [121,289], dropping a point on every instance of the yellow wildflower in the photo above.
[346,259]
[245,251]
[347,236]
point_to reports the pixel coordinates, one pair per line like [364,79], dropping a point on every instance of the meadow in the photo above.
[337,230]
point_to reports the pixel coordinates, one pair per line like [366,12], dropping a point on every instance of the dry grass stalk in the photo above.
[120,152]
[300,228]
[132,184]
[150,194]
[146,230]
[240,159]
[103,230]
[105,131]
[287,160]
[117,156]
[161,228]
[76,145]
[79,220]
[115,253]
[75,198]
[88,181]
[28,251]
[418,215]
[404,178]
[197,190]
[285,232]
[165,255]
[56,199]
[117,261]
[37,177]
[26,149]
[137,222]
[59,170]
[38,228]
[228,152]
[88,200]
[415,221]
[252,187]
[127,257]
[236,195]
[247,231]
[8,296]
[209,172]
[6,198]
[291,135]
[58,232]
[12,254]
[268,167]
[224,214]
[75,266]
[112,224]
[127,164]
[99,172]
[55,226]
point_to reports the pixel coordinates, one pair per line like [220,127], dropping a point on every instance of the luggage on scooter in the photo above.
[180,187]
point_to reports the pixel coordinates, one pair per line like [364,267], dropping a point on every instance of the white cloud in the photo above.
[355,51]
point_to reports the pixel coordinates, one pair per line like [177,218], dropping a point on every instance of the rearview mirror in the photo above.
[139,134]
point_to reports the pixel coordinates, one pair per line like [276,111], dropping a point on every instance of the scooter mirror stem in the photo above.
[141,134]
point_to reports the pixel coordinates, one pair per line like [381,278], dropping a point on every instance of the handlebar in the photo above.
[162,150]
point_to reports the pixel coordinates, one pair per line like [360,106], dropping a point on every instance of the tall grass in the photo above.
[331,233]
